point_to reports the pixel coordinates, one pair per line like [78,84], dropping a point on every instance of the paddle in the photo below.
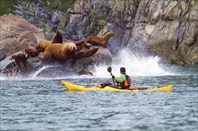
[109,69]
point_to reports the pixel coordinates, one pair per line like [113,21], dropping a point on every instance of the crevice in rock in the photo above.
[177,44]
[194,41]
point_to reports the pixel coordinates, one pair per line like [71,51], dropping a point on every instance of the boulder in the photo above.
[55,70]
[85,72]
[16,34]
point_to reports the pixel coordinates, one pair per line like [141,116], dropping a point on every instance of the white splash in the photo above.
[135,66]
[34,75]
[3,78]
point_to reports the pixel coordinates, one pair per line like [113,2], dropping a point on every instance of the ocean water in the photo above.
[35,103]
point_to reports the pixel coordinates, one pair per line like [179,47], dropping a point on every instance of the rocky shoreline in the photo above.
[25,49]
[164,28]
[142,25]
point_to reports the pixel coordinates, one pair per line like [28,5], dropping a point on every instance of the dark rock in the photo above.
[85,72]
[2,57]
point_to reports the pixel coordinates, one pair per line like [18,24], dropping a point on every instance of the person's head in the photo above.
[122,70]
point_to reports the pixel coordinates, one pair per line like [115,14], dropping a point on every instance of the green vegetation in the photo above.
[96,28]
[121,6]
[7,6]
[111,3]
[61,5]
[153,21]
[97,16]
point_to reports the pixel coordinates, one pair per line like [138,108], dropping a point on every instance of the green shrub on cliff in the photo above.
[121,6]
[7,6]
[153,21]
[61,5]
[96,16]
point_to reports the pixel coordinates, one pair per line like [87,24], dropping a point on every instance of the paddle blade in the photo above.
[109,69]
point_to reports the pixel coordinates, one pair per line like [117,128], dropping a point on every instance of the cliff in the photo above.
[166,28]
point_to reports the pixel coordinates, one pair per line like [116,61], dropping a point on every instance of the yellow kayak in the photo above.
[74,87]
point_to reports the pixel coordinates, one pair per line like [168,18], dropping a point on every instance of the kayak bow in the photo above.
[74,87]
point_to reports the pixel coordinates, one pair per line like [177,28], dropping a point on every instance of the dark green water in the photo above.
[44,105]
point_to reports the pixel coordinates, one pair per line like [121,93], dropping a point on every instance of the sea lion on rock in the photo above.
[21,61]
[31,51]
[89,52]
[84,50]
[57,38]
[43,44]
[99,40]
[19,56]
[60,52]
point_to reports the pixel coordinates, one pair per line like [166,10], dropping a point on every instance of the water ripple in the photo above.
[43,105]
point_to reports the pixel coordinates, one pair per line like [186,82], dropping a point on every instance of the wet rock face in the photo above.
[141,25]
[177,43]
[167,29]
[171,27]
[42,16]
[16,34]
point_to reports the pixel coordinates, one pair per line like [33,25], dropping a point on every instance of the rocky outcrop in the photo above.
[170,29]
[20,55]
[84,18]
[16,34]
[177,44]
[165,28]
